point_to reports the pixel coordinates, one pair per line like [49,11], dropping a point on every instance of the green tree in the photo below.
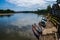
[48,8]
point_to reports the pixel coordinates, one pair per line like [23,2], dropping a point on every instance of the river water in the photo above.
[19,23]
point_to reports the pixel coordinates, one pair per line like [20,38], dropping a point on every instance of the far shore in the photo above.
[6,13]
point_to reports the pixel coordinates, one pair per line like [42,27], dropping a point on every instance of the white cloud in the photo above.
[50,0]
[28,3]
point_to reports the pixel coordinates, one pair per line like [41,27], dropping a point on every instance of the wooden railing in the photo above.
[54,21]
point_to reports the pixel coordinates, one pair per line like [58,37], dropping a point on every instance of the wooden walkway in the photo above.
[50,32]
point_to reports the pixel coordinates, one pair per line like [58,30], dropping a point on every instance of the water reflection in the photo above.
[18,25]
[5,15]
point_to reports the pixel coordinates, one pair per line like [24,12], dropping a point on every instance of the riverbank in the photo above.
[6,14]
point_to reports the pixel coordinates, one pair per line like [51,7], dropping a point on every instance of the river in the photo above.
[18,24]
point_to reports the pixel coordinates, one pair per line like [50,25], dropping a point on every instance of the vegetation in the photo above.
[44,11]
[37,12]
[6,11]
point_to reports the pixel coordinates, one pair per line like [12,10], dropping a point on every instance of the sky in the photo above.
[24,5]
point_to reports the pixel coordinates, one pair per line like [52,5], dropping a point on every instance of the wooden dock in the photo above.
[50,32]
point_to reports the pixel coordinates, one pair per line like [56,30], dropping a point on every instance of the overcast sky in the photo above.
[20,5]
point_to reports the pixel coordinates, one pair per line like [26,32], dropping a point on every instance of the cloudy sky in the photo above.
[20,5]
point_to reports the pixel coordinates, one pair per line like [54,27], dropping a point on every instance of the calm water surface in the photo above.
[19,22]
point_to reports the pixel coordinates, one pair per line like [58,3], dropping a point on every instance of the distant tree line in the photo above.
[6,11]
[26,12]
[44,11]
